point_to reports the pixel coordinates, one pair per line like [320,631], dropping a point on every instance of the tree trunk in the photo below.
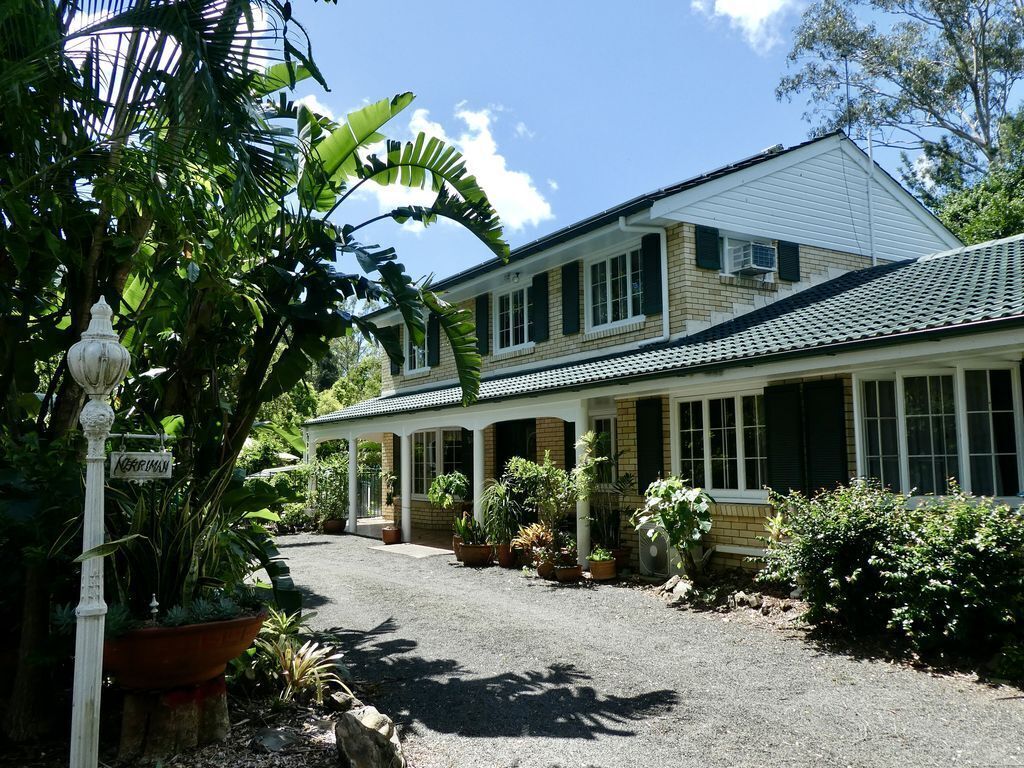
[158,724]
[27,714]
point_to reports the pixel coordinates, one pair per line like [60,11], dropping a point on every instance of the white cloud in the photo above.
[512,193]
[313,103]
[523,132]
[552,185]
[759,20]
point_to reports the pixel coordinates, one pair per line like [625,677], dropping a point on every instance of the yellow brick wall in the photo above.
[551,438]
[694,294]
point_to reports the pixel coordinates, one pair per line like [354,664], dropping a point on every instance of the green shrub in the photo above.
[448,489]
[840,542]
[295,518]
[330,499]
[945,579]
[959,584]
[681,515]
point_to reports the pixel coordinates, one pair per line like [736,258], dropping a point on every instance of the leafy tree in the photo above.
[938,76]
[150,155]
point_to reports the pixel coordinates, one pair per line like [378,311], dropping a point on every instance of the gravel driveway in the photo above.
[491,668]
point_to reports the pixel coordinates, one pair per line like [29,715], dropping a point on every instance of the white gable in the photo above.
[818,195]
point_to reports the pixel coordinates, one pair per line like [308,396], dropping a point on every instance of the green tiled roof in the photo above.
[965,290]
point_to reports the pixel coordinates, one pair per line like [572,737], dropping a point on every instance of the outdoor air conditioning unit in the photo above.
[752,259]
[656,557]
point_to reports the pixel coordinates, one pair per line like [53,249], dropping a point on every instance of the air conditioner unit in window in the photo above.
[752,259]
[656,557]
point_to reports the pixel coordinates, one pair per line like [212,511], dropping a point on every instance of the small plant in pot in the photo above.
[447,492]
[602,564]
[330,495]
[476,552]
[538,541]
[567,567]
[501,521]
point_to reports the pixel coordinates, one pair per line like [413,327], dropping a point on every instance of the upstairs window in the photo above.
[415,354]
[513,321]
[615,289]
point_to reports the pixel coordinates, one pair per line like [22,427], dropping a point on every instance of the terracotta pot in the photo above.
[476,555]
[546,570]
[176,657]
[506,557]
[568,573]
[391,534]
[602,570]
[457,547]
[334,527]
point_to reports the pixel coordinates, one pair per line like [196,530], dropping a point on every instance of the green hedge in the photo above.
[944,579]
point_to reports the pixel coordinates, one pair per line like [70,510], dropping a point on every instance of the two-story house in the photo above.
[770,324]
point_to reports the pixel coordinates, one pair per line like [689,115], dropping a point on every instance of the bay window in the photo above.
[615,290]
[919,431]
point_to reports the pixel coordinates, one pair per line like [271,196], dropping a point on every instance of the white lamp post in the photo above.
[97,362]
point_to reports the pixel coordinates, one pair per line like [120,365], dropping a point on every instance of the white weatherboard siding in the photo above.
[817,196]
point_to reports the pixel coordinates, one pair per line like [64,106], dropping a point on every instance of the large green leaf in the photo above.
[478,218]
[458,325]
[336,154]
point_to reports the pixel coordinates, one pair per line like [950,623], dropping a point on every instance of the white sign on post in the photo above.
[141,465]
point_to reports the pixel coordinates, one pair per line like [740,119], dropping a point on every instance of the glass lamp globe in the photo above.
[98,361]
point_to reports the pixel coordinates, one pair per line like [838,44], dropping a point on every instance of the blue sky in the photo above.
[563,108]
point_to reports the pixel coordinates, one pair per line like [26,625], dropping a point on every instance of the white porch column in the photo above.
[310,459]
[582,506]
[353,483]
[478,475]
[406,449]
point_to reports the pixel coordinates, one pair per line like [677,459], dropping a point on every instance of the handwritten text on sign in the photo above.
[141,465]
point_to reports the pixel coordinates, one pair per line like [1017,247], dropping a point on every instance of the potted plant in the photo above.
[446,492]
[537,540]
[567,567]
[458,534]
[501,521]
[391,534]
[329,498]
[602,564]
[476,552]
[681,514]
[335,525]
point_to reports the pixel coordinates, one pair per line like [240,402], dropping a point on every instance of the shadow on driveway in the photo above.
[442,696]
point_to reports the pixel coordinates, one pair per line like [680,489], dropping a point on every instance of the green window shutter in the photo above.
[483,323]
[466,459]
[650,441]
[569,444]
[707,246]
[824,407]
[396,462]
[539,307]
[650,267]
[570,298]
[784,430]
[789,261]
[433,340]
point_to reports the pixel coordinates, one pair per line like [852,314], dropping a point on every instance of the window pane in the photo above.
[916,390]
[1001,390]
[982,475]
[1007,480]
[598,293]
[887,398]
[976,390]
[452,451]
[636,283]
[619,288]
[931,432]
[871,398]
[979,432]
[722,433]
[691,442]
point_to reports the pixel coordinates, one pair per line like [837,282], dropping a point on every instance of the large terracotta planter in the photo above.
[457,547]
[391,534]
[546,569]
[476,555]
[335,527]
[159,658]
[602,570]
[506,557]
[568,573]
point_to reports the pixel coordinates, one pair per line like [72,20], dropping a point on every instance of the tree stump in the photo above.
[157,724]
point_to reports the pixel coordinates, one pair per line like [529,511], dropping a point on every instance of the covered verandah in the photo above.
[474,421]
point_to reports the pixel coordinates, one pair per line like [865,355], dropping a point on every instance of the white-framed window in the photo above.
[424,461]
[604,428]
[415,354]
[916,430]
[434,452]
[512,319]
[614,289]
[720,444]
